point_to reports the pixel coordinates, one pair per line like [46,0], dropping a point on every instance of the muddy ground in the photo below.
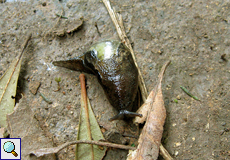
[194,35]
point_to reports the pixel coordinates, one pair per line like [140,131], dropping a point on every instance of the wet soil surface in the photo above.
[194,35]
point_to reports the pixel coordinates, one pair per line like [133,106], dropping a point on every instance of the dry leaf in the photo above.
[3,133]
[8,86]
[144,109]
[7,91]
[83,151]
[150,138]
[69,27]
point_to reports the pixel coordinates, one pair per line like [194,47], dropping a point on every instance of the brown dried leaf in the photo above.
[150,138]
[69,27]
[144,109]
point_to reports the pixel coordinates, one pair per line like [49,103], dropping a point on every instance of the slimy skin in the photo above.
[112,63]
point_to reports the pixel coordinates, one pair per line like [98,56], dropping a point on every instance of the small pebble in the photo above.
[176,153]
[43,4]
[178,97]
[69,5]
[177,144]
[223,123]
[33,86]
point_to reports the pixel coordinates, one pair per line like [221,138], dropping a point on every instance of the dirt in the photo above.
[194,35]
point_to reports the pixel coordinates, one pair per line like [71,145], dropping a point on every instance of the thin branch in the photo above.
[118,22]
[85,103]
[164,153]
[44,151]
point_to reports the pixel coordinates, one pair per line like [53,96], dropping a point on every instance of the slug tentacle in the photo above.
[124,113]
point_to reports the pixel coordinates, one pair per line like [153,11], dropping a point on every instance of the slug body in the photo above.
[112,63]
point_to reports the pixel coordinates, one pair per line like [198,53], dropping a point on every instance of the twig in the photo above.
[164,153]
[188,93]
[45,99]
[19,58]
[97,29]
[61,16]
[44,151]
[84,97]
[117,20]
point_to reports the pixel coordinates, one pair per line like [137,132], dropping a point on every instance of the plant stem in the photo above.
[84,97]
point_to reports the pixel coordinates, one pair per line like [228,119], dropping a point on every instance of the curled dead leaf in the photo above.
[150,138]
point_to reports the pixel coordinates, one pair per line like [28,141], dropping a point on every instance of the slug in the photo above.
[112,63]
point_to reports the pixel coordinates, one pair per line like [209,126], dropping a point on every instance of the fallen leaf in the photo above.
[145,108]
[69,27]
[74,25]
[22,124]
[150,138]
[84,151]
[3,133]
[8,86]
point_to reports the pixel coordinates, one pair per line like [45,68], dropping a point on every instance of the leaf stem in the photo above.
[85,103]
[61,16]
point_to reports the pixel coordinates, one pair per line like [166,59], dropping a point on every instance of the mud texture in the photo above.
[194,35]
